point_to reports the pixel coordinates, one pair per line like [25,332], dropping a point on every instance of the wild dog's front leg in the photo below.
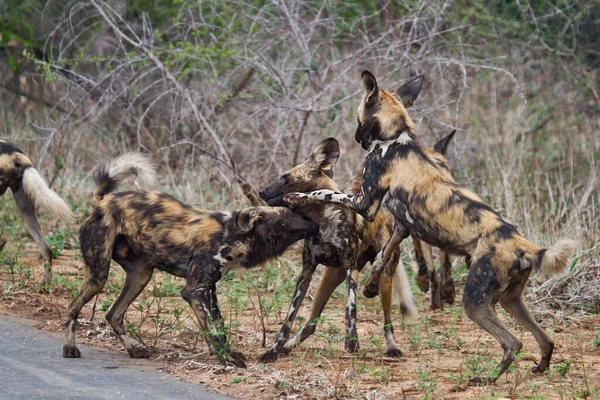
[372,287]
[200,293]
[308,269]
[352,344]
[331,279]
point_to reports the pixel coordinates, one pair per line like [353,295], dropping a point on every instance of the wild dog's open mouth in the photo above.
[276,201]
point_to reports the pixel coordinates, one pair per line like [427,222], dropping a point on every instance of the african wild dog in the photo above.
[147,230]
[442,284]
[345,243]
[440,212]
[30,191]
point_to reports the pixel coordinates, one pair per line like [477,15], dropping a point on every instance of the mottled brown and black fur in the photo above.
[30,191]
[426,203]
[147,230]
[345,243]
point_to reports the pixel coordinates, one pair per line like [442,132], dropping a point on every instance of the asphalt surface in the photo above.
[31,367]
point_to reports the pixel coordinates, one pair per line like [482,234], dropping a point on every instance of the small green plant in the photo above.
[56,242]
[237,379]
[564,368]
[426,382]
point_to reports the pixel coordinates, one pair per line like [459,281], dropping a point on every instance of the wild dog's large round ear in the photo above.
[442,146]
[326,154]
[409,92]
[246,219]
[370,87]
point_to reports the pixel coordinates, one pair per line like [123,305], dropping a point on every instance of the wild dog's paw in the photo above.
[449,293]
[237,359]
[139,352]
[371,290]
[70,351]
[395,352]
[295,199]
[423,282]
[540,369]
[352,345]
[269,357]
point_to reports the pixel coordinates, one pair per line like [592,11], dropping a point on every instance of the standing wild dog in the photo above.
[345,243]
[147,230]
[442,284]
[30,191]
[440,212]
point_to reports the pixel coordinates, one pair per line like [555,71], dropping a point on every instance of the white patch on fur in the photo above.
[403,139]
[136,164]
[409,219]
[402,294]
[555,260]
[43,197]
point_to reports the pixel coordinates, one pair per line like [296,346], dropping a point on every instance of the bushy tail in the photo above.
[553,260]
[109,175]
[402,294]
[42,196]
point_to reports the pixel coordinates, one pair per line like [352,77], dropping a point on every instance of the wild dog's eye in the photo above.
[285,177]
[17,164]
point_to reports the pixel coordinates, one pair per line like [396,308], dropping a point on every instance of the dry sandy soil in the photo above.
[441,350]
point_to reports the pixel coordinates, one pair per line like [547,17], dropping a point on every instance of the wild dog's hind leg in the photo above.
[308,268]
[385,293]
[138,276]
[96,247]
[332,278]
[424,263]
[482,291]
[27,212]
[383,258]
[512,301]
[448,292]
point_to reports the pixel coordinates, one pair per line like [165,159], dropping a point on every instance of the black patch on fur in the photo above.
[482,283]
[505,231]
[540,258]
[328,197]
[9,148]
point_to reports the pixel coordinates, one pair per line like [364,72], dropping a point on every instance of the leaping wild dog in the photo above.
[345,243]
[438,211]
[30,191]
[147,230]
[441,281]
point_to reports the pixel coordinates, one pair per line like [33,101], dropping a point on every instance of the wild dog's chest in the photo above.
[336,239]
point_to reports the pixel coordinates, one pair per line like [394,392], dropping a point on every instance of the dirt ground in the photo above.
[441,350]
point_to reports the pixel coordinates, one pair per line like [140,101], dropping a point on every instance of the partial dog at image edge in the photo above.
[30,192]
[446,215]
[146,230]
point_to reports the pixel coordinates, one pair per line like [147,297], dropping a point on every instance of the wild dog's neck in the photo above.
[405,138]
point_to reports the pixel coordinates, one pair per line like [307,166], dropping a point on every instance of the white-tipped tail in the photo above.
[402,294]
[555,258]
[108,176]
[136,164]
[43,197]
